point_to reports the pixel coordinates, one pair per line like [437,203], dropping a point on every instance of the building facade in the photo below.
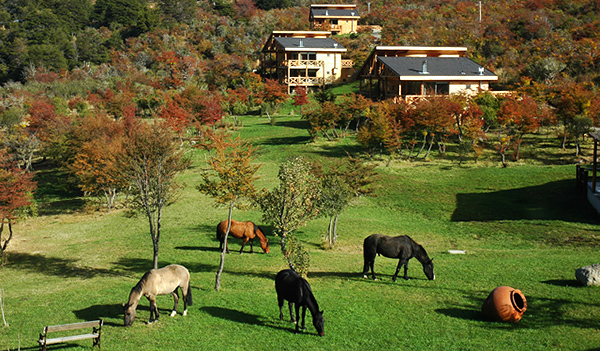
[410,72]
[338,19]
[310,59]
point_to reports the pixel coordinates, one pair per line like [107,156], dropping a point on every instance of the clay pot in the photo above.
[504,304]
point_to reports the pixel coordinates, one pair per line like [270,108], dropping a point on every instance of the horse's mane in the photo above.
[420,253]
[139,287]
[259,232]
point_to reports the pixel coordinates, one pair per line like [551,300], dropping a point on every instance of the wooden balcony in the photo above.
[308,81]
[303,63]
[347,63]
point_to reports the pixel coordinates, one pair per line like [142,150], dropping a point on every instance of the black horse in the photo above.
[292,287]
[402,247]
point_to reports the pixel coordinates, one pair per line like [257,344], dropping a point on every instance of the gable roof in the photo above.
[334,13]
[304,44]
[454,68]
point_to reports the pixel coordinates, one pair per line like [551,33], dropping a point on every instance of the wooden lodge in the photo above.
[413,72]
[310,59]
[339,19]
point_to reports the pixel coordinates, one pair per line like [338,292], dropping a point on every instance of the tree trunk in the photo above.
[429,148]
[285,252]
[330,233]
[335,229]
[3,245]
[222,263]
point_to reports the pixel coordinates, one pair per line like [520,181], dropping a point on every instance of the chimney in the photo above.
[424,70]
[335,45]
[481,70]
[326,12]
[301,44]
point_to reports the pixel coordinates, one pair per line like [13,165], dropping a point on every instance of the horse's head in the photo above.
[319,323]
[428,270]
[129,314]
[265,245]
[264,241]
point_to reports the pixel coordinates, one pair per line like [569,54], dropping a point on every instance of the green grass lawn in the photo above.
[522,226]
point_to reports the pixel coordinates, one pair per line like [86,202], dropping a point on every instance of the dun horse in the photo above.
[292,287]
[242,230]
[401,247]
[161,281]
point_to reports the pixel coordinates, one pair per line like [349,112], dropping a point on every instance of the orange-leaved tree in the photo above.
[231,180]
[98,142]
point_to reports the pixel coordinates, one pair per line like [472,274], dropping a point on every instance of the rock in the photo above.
[589,275]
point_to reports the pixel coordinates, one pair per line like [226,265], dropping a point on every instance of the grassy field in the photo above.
[522,226]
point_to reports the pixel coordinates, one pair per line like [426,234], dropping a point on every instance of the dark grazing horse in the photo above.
[242,230]
[292,287]
[402,247]
[161,281]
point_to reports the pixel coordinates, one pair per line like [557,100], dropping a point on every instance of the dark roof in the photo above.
[436,66]
[335,12]
[308,43]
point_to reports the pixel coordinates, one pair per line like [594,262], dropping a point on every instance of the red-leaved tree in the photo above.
[16,189]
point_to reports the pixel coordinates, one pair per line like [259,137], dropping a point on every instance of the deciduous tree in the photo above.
[16,198]
[292,203]
[151,160]
[232,181]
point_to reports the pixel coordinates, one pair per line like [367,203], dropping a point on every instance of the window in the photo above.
[334,21]
[442,88]
[308,56]
[412,88]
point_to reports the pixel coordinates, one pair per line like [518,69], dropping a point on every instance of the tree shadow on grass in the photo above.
[557,200]
[297,124]
[240,317]
[56,266]
[105,312]
[135,267]
[292,140]
[54,197]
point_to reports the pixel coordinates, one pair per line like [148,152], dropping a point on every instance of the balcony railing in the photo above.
[308,81]
[303,63]
[347,63]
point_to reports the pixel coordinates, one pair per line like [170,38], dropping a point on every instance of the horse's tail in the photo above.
[188,297]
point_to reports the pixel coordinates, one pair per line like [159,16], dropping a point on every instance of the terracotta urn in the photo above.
[504,304]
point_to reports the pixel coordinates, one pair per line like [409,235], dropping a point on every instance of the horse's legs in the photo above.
[280,302]
[184,293]
[400,263]
[406,270]
[297,316]
[244,243]
[251,248]
[176,301]
[304,317]
[153,309]
[291,306]
[371,264]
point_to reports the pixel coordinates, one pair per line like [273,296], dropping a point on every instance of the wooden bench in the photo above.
[95,334]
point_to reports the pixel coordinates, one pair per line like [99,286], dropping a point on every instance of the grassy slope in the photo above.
[522,226]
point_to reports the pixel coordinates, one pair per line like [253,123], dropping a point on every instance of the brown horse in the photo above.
[242,230]
[161,281]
